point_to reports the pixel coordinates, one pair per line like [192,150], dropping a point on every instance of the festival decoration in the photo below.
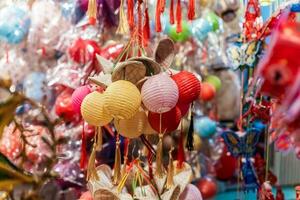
[207,187]
[78,95]
[205,127]
[208,91]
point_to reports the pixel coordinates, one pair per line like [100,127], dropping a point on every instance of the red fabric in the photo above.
[191,10]
[157,16]
[146,29]
[130,15]
[172,20]
[178,17]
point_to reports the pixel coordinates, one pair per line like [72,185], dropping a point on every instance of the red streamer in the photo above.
[191,10]
[180,154]
[146,28]
[83,156]
[162,5]
[130,5]
[140,31]
[178,17]
[157,16]
[172,20]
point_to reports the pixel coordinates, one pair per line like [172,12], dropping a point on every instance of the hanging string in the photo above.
[191,10]
[83,156]
[172,20]
[178,17]
[92,11]
[140,30]
[123,27]
[146,28]
[117,167]
[157,16]
[130,16]
[190,134]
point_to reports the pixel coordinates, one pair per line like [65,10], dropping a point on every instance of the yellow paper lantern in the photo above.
[122,99]
[92,109]
[133,127]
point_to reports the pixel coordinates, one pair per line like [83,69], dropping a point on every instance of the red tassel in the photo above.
[172,20]
[191,10]
[162,5]
[178,17]
[146,28]
[83,156]
[130,5]
[140,30]
[180,154]
[157,17]
[149,158]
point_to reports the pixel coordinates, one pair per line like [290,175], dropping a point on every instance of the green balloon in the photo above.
[215,81]
[213,19]
[182,36]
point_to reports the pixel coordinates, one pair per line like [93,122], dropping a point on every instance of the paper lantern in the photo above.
[169,120]
[207,187]
[208,92]
[184,108]
[160,93]
[122,99]
[133,127]
[78,95]
[191,192]
[63,106]
[215,81]
[92,109]
[188,86]
[205,127]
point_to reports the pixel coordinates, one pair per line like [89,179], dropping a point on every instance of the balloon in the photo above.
[78,95]
[225,166]
[207,187]
[191,192]
[63,106]
[14,24]
[215,81]
[205,127]
[208,91]
[184,108]
[179,37]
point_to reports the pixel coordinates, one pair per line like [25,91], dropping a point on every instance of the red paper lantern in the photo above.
[207,187]
[169,120]
[208,91]
[188,85]
[184,108]
[84,51]
[64,106]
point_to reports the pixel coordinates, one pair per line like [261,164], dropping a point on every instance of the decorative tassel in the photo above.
[91,171]
[117,167]
[170,174]
[178,17]
[99,138]
[191,10]
[92,11]
[146,28]
[126,144]
[162,6]
[83,156]
[157,16]
[123,23]
[130,7]
[172,20]
[180,154]
[190,135]
[159,155]
[140,30]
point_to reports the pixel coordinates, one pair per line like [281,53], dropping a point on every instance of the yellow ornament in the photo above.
[122,99]
[92,109]
[133,127]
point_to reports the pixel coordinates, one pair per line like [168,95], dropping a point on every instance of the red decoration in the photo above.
[172,20]
[178,17]
[130,16]
[188,85]
[84,51]
[207,187]
[280,65]
[180,153]
[83,156]
[191,10]
[157,16]
[252,16]
[146,28]
[140,30]
[112,51]
[169,120]
[225,166]
[208,92]
[184,108]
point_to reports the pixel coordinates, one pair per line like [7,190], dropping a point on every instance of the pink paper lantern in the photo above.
[78,95]
[191,192]
[160,93]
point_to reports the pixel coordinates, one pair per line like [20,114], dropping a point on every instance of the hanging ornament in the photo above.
[159,93]
[123,23]
[253,20]
[205,127]
[122,99]
[92,11]
[214,80]
[146,28]
[178,17]
[207,187]
[157,16]
[191,10]
[78,95]
[208,92]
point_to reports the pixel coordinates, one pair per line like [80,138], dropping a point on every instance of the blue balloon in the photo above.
[200,28]
[14,24]
[35,86]
[205,127]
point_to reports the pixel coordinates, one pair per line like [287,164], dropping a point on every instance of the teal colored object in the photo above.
[178,37]
[205,127]
[14,24]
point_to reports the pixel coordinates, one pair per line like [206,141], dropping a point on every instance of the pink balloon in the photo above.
[191,192]
[78,95]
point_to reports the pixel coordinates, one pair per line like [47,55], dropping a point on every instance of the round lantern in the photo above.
[208,92]
[188,86]
[133,127]
[63,106]
[78,95]
[184,108]
[205,127]
[160,93]
[169,120]
[122,99]
[215,81]
[191,192]
[92,109]
[207,187]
